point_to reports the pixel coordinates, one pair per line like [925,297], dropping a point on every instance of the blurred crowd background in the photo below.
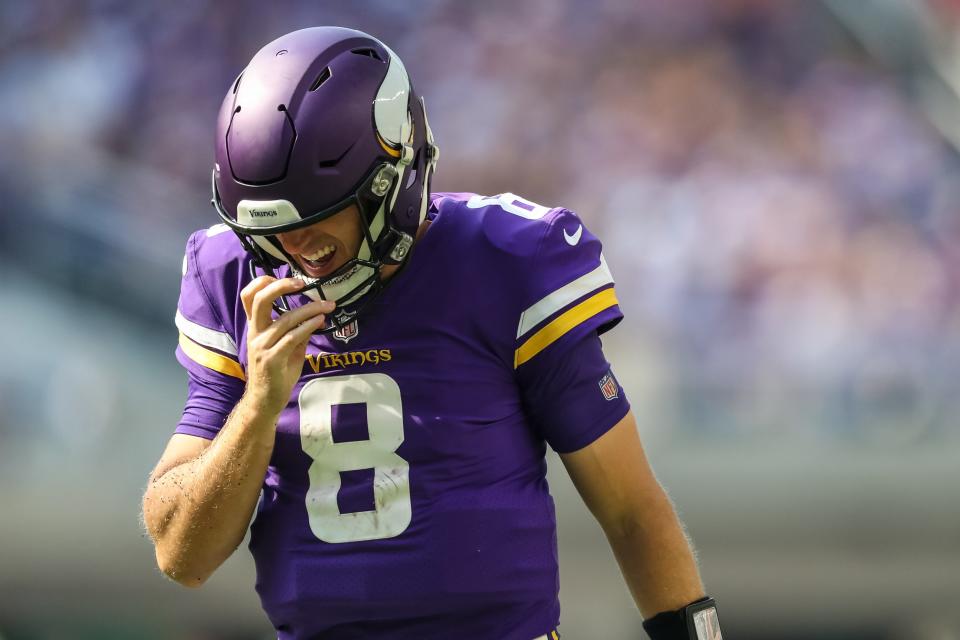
[778,187]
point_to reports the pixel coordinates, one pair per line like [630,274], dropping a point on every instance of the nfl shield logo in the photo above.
[349,327]
[609,386]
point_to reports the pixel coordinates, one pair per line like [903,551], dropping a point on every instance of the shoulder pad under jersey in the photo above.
[550,278]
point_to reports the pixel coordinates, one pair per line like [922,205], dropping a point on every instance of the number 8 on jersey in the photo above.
[380,396]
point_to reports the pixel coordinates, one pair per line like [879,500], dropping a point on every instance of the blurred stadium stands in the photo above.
[778,187]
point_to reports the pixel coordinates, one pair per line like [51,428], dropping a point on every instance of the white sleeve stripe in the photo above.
[563,296]
[207,337]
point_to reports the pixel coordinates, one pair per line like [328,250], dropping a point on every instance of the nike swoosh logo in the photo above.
[574,239]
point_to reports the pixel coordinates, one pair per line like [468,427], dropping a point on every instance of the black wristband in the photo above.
[679,624]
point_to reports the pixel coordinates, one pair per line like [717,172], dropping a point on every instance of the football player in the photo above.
[375,371]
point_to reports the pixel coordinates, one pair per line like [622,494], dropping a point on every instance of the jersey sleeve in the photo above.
[572,396]
[568,386]
[568,293]
[207,346]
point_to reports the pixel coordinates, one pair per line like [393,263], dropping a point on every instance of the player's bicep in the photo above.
[180,448]
[612,474]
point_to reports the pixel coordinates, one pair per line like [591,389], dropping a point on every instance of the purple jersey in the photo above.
[406,496]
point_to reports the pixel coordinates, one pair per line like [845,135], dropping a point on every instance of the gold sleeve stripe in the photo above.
[553,634]
[211,359]
[564,323]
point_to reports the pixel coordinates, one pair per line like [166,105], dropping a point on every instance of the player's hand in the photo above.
[276,348]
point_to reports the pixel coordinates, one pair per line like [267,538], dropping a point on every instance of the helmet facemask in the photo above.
[354,283]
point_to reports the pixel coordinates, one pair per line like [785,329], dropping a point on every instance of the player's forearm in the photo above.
[198,512]
[656,559]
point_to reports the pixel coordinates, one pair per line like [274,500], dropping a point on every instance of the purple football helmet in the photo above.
[320,119]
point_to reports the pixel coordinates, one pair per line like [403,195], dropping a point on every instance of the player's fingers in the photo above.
[247,293]
[299,336]
[291,319]
[301,347]
[261,310]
